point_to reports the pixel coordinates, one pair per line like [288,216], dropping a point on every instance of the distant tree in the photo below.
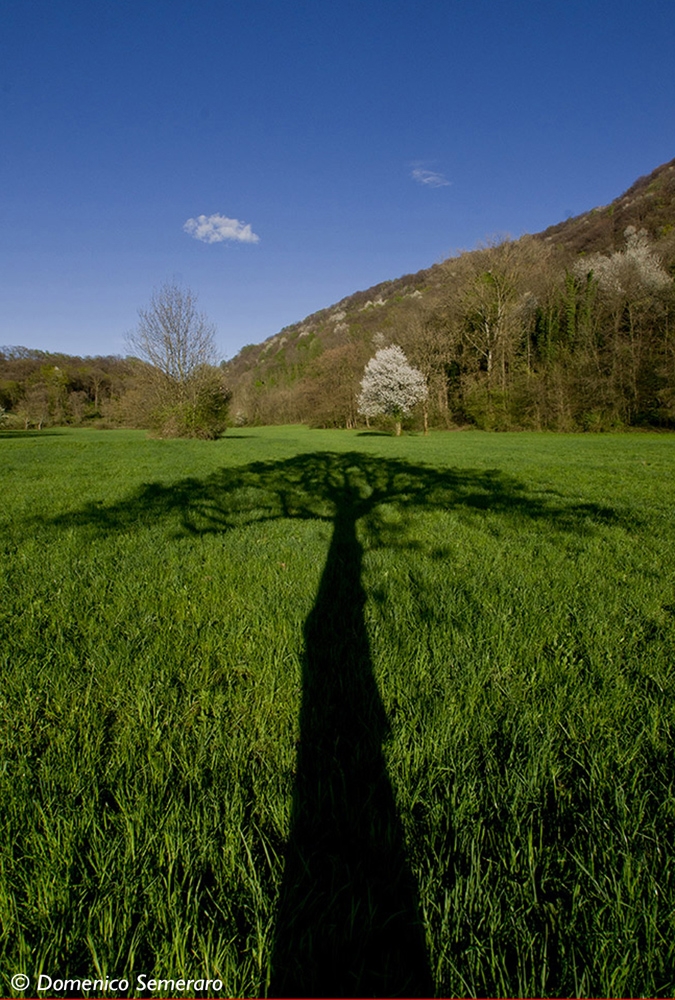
[96,379]
[78,403]
[34,407]
[55,381]
[172,336]
[184,391]
[327,396]
[391,386]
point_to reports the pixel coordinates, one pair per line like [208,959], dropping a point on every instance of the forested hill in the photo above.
[649,203]
[570,328]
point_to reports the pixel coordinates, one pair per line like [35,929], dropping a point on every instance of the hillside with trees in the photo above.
[41,388]
[568,329]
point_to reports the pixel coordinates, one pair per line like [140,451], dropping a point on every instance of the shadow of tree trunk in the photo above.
[348,922]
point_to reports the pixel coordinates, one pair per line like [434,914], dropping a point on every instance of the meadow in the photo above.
[327,712]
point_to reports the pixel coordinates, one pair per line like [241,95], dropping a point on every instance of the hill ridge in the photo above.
[278,363]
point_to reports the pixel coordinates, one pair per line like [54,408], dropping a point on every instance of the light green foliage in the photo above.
[199,409]
[521,622]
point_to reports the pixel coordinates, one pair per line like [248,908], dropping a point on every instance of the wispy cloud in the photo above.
[430,178]
[217,228]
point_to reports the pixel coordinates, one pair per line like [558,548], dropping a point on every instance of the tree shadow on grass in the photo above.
[19,433]
[348,920]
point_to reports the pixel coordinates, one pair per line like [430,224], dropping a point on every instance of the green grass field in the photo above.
[326,712]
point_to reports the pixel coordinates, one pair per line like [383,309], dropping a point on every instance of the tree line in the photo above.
[41,388]
[516,340]
[171,384]
[516,334]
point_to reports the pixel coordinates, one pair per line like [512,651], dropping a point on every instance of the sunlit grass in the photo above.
[151,689]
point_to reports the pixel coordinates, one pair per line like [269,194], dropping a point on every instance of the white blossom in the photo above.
[390,385]
[635,264]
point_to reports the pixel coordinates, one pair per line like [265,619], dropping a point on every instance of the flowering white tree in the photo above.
[391,386]
[636,266]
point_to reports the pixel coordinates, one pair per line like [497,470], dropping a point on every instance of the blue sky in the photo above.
[277,155]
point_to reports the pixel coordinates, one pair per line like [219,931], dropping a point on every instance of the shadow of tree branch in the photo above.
[314,486]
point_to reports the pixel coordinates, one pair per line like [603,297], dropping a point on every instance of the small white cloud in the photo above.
[217,228]
[429,178]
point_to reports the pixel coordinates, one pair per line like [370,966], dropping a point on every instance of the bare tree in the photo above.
[184,392]
[172,336]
